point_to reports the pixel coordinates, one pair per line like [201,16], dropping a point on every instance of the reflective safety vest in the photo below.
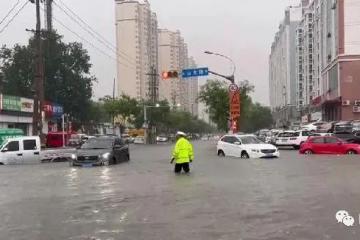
[183,151]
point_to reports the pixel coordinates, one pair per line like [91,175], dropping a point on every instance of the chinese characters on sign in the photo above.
[234,96]
[16,104]
[197,72]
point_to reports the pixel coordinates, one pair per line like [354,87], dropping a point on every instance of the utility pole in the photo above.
[48,15]
[39,76]
[113,116]
[153,97]
[153,85]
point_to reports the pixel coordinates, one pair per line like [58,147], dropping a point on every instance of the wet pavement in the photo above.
[294,197]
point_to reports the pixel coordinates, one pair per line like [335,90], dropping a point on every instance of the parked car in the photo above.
[139,140]
[127,138]
[76,140]
[161,139]
[20,150]
[292,138]
[328,145]
[245,146]
[344,130]
[326,127]
[356,126]
[101,151]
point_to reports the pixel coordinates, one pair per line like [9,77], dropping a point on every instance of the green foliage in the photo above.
[67,73]
[164,117]
[215,95]
[125,107]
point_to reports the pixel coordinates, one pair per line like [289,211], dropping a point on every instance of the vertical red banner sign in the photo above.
[234,97]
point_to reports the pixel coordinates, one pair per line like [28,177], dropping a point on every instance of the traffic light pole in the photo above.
[230,78]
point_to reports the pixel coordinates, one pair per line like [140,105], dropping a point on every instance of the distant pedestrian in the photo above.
[183,153]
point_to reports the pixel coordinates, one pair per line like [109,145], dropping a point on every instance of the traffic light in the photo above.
[170,74]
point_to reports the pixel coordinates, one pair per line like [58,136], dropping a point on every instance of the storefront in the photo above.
[16,112]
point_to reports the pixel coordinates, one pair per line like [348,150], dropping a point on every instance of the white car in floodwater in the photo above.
[245,146]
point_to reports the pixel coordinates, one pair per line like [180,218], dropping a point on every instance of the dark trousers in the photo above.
[184,166]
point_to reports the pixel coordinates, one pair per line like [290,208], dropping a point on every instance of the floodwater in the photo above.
[294,197]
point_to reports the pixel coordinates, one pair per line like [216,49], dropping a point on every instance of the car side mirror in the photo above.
[5,150]
[237,143]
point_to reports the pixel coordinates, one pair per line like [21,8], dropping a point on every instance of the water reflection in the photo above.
[105,184]
[72,178]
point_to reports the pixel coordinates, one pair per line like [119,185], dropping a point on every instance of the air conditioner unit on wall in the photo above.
[346,102]
[356,109]
[357,103]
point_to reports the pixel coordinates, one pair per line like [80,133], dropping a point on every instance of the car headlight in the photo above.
[255,150]
[105,156]
[73,156]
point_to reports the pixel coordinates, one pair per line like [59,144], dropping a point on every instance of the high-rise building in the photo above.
[328,60]
[193,90]
[306,52]
[340,59]
[282,69]
[173,56]
[137,51]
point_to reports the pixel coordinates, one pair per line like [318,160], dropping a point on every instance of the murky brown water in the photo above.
[293,197]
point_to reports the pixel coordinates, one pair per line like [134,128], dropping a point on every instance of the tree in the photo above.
[215,95]
[259,117]
[124,107]
[67,73]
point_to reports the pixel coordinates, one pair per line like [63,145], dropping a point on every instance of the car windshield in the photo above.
[98,144]
[250,140]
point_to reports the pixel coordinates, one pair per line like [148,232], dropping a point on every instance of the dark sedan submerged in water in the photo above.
[101,151]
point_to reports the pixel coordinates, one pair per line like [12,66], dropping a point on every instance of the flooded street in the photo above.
[294,197]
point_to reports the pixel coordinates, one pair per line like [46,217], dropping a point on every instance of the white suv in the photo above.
[292,138]
[245,146]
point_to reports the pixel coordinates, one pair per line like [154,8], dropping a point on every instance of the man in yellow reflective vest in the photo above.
[183,153]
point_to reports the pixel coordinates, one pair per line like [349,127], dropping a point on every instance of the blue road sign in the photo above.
[196,72]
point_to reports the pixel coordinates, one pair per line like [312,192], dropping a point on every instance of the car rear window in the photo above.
[286,134]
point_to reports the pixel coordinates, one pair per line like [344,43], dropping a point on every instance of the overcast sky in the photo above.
[241,29]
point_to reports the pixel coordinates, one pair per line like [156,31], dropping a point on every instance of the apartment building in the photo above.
[282,69]
[328,60]
[137,48]
[308,56]
[193,90]
[173,56]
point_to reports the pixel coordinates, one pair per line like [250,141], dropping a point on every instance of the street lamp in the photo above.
[232,76]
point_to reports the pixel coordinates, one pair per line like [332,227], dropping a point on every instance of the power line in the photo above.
[87,25]
[90,43]
[93,33]
[12,19]
[10,11]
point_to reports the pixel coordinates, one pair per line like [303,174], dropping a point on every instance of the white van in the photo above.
[20,150]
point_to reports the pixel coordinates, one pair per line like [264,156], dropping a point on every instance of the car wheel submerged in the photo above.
[351,152]
[245,155]
[221,153]
[308,152]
